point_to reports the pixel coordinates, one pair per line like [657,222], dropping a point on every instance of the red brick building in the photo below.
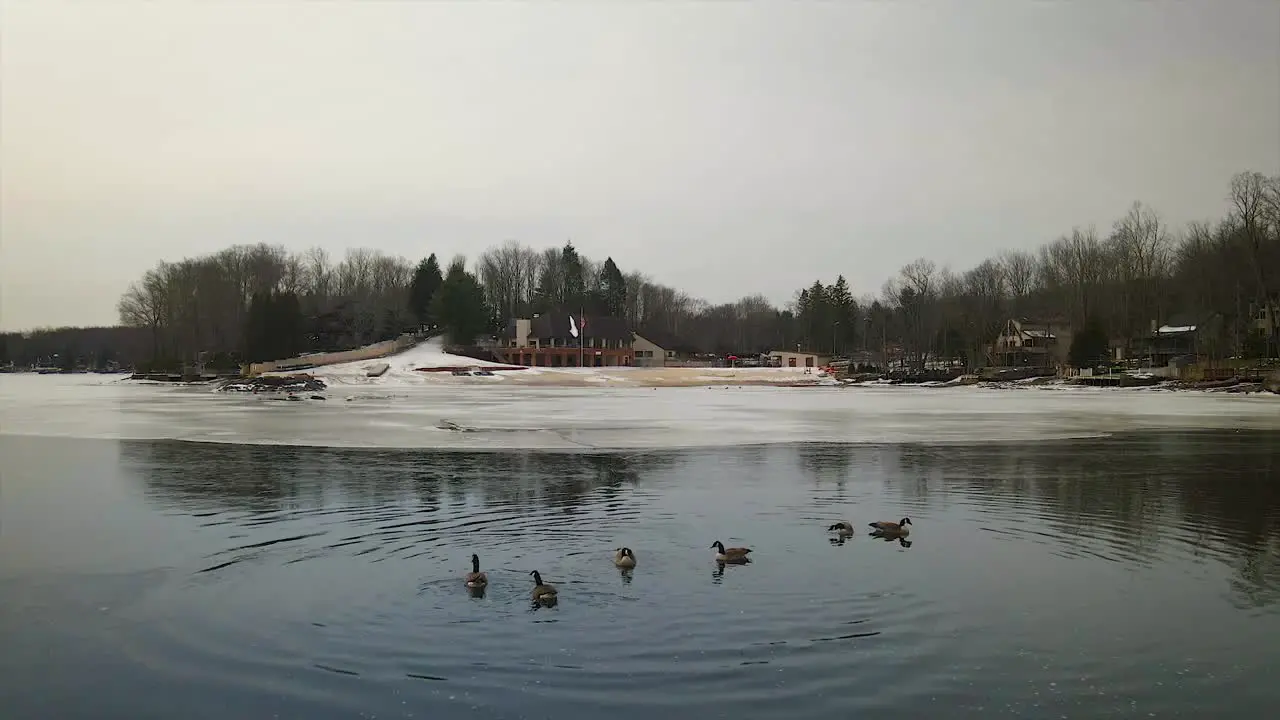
[548,341]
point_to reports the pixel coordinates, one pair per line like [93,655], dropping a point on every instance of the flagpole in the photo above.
[582,333]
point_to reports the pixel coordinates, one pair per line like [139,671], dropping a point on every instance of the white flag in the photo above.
[573,327]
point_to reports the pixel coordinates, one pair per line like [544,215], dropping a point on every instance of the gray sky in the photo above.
[723,148]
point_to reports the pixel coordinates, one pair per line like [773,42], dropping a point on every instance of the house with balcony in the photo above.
[1032,344]
[563,338]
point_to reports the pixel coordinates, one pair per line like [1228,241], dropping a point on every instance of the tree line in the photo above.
[90,348]
[258,302]
[1112,287]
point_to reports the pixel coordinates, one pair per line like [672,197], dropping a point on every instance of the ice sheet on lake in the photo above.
[506,416]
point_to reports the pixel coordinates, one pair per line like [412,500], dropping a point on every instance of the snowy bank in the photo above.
[429,364]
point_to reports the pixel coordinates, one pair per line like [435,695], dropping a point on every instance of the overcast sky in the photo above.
[723,148]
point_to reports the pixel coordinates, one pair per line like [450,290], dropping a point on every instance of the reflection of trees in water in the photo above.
[1257,581]
[268,477]
[1141,495]
[1217,493]
[826,463]
[200,475]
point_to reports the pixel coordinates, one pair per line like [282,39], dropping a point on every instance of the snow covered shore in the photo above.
[415,365]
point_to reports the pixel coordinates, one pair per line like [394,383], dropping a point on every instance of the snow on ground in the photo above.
[464,413]
[404,369]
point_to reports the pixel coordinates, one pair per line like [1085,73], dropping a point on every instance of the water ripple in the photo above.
[1084,579]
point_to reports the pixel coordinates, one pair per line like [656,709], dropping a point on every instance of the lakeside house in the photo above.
[656,348]
[1265,316]
[1032,343]
[1183,338]
[797,358]
[564,338]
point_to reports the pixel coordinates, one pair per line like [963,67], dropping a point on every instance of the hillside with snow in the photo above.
[414,367]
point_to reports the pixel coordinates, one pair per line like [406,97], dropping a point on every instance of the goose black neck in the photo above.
[475,563]
[537,577]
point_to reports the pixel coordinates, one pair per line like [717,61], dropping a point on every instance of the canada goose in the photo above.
[542,591]
[842,527]
[624,558]
[889,528]
[736,555]
[475,578]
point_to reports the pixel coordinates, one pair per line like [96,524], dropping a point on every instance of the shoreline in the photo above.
[633,379]
[427,364]
[654,378]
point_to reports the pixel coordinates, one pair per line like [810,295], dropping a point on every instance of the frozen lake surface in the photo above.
[478,416]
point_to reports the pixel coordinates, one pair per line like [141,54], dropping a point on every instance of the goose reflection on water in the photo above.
[891,537]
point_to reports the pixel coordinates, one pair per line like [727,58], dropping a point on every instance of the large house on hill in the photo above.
[566,339]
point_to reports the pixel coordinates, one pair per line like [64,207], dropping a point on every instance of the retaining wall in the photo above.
[368,352]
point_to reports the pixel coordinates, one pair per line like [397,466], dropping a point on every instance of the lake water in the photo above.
[1129,576]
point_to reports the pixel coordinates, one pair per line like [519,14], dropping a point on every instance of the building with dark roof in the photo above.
[567,339]
[1032,343]
[656,348]
[1187,336]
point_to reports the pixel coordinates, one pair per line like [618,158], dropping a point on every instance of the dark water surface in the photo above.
[1133,576]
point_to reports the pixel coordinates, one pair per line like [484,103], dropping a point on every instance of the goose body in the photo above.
[892,528]
[624,558]
[842,527]
[542,591]
[475,578]
[735,555]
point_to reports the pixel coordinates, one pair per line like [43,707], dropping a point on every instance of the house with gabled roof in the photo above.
[657,348]
[1024,342]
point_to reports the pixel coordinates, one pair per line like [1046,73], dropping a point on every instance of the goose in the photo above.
[889,528]
[542,591]
[624,558]
[736,555]
[842,527]
[475,578]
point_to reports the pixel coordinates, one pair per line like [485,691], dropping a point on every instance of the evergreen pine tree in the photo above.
[426,282]
[614,288]
[575,286]
[459,305]
[1089,346]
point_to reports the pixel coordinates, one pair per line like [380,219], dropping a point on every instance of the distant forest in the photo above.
[260,302]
